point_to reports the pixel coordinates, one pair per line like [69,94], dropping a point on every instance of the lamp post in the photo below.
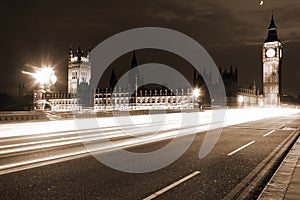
[241,100]
[196,95]
[45,78]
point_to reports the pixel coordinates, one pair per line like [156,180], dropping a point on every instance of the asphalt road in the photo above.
[239,150]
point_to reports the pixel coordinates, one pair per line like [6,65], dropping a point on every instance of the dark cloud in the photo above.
[34,32]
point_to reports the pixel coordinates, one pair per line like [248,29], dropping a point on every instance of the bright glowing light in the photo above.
[261,3]
[53,78]
[28,73]
[67,133]
[44,75]
[196,92]
[240,99]
[143,123]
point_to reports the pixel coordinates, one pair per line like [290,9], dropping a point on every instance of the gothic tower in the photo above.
[271,58]
[79,70]
[134,75]
[113,80]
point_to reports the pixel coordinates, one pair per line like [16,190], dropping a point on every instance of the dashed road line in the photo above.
[172,186]
[239,149]
[268,133]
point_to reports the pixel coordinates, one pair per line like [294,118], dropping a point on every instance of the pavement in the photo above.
[285,183]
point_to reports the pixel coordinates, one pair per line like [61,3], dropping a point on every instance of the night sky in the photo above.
[40,32]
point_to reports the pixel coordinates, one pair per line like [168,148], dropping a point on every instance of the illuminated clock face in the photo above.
[270,53]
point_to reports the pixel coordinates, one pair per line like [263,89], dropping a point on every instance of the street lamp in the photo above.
[196,92]
[196,95]
[46,78]
[241,100]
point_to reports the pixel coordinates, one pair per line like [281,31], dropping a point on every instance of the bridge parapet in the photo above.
[21,116]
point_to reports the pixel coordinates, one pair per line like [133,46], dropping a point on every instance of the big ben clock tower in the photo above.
[272,57]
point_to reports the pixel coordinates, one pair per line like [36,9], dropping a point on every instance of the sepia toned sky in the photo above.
[37,32]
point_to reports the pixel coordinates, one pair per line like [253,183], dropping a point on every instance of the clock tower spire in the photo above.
[272,31]
[271,58]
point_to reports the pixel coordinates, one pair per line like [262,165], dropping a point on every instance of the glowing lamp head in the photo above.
[45,75]
[240,99]
[196,92]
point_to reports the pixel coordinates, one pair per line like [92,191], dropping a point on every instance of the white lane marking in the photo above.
[289,129]
[239,149]
[268,133]
[172,186]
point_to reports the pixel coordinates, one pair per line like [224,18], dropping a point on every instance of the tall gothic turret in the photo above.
[70,53]
[79,70]
[113,80]
[133,61]
[134,75]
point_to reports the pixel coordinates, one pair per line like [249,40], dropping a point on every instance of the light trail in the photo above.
[233,116]
[22,139]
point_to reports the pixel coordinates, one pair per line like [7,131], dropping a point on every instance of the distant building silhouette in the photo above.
[24,98]
[230,80]
[134,78]
[113,80]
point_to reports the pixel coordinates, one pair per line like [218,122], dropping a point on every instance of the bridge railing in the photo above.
[21,116]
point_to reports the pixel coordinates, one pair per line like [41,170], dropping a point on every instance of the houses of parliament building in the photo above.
[154,97]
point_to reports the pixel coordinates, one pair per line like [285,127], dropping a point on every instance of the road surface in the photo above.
[239,150]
